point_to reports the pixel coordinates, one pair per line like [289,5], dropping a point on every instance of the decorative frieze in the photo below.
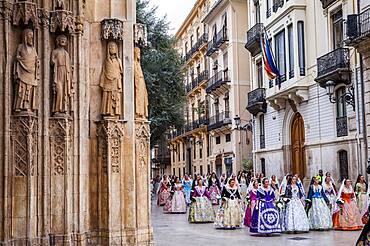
[25,11]
[112,29]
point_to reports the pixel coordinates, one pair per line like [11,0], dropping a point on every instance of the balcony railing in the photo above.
[195,48]
[198,80]
[253,39]
[262,141]
[334,66]
[219,120]
[217,41]
[326,3]
[277,4]
[218,80]
[358,28]
[342,128]
[257,101]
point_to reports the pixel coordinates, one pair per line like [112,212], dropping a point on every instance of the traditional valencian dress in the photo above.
[164,192]
[265,217]
[348,218]
[361,197]
[176,204]
[295,215]
[332,197]
[230,213]
[319,214]
[243,188]
[200,210]
[187,189]
[250,207]
[214,190]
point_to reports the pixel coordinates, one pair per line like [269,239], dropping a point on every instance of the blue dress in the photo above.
[187,190]
[265,218]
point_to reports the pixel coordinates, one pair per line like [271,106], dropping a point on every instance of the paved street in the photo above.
[174,229]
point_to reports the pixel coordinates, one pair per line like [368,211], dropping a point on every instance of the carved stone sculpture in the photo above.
[111,82]
[25,11]
[26,74]
[141,94]
[112,28]
[62,77]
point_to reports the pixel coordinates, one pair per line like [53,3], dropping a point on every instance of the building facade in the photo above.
[216,78]
[310,118]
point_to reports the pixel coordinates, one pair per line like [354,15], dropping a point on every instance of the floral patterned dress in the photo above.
[361,197]
[201,210]
[295,215]
[319,214]
[177,203]
[163,193]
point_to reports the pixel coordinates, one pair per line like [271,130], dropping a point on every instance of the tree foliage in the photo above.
[161,66]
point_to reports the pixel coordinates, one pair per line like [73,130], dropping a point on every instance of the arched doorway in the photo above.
[298,148]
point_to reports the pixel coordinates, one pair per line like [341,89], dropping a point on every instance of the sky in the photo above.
[176,11]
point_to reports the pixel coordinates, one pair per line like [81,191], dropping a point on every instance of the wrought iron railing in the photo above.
[277,4]
[221,37]
[262,141]
[195,48]
[326,3]
[358,26]
[217,80]
[211,47]
[219,120]
[338,58]
[256,96]
[342,126]
[268,13]
[203,76]
[254,34]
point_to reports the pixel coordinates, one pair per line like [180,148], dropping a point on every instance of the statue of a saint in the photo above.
[62,77]
[141,93]
[111,82]
[26,68]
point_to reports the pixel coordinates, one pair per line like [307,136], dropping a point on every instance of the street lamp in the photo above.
[347,97]
[247,127]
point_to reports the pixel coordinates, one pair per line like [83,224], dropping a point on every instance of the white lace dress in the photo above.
[295,215]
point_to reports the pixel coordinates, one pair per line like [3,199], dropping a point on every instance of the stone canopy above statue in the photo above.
[112,29]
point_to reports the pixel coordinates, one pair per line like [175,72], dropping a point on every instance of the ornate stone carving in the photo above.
[140,35]
[111,83]
[62,83]
[112,29]
[60,144]
[142,145]
[24,144]
[110,140]
[43,16]
[26,69]
[79,24]
[6,10]
[62,20]
[26,11]
[141,94]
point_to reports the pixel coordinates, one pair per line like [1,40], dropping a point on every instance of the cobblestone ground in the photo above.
[174,229]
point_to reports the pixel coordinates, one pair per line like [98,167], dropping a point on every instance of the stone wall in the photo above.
[71,174]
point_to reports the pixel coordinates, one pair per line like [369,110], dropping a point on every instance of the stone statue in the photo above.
[62,77]
[141,94]
[26,68]
[111,82]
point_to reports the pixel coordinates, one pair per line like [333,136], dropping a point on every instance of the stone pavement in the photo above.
[174,229]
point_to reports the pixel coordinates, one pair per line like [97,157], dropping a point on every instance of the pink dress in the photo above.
[250,207]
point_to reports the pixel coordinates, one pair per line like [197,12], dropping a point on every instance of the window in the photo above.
[173,171]
[195,151]
[227,104]
[228,138]
[201,170]
[262,131]
[200,153]
[183,170]
[337,25]
[343,164]
[280,54]
[186,47]
[341,122]
[301,53]
[218,140]
[259,74]
[224,19]
[191,41]
[217,108]
[179,172]
[183,151]
[268,10]
[263,166]
[208,146]
[178,152]
[208,168]
[226,61]
[258,11]
[192,112]
[214,30]
[198,33]
[195,169]
[291,51]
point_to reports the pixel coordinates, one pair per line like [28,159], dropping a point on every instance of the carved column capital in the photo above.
[112,29]
[25,11]
[6,10]
[43,16]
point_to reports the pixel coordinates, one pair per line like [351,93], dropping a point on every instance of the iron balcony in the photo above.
[326,3]
[219,120]
[257,101]
[218,80]
[253,39]
[358,28]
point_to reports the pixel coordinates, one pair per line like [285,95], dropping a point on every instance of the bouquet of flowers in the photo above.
[247,200]
[340,201]
[279,204]
[285,200]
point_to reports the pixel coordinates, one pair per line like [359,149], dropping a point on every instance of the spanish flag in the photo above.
[268,60]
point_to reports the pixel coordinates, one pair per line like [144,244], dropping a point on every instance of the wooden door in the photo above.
[298,149]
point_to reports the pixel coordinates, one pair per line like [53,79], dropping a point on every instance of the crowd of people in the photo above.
[266,205]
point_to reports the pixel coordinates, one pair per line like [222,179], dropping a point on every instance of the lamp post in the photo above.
[347,97]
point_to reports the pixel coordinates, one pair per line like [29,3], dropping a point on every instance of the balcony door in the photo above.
[298,149]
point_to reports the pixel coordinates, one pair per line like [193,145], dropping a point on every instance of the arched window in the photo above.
[343,164]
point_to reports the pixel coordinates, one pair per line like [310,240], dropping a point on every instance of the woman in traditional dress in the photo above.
[331,194]
[265,218]
[176,204]
[319,214]
[348,218]
[361,191]
[223,180]
[200,210]
[214,188]
[230,213]
[243,186]
[295,215]
[187,183]
[282,200]
[164,191]
[252,202]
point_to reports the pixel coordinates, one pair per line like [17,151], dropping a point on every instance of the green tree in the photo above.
[161,64]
